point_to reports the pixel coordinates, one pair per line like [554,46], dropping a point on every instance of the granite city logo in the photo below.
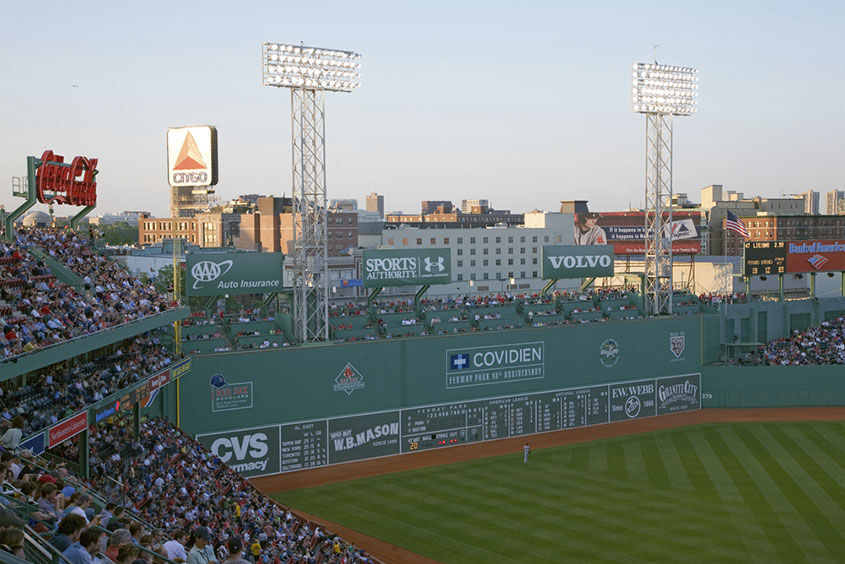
[208,271]
[677,343]
[494,364]
[349,380]
[686,392]
[609,353]
[632,407]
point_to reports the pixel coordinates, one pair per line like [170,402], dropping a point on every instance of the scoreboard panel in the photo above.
[764,257]
[316,443]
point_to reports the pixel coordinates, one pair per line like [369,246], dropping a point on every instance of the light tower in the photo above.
[309,72]
[660,92]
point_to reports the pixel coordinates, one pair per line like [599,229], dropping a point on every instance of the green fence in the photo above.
[772,386]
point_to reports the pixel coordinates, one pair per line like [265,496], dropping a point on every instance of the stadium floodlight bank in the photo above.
[297,66]
[664,89]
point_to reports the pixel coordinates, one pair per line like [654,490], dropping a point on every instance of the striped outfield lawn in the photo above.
[738,492]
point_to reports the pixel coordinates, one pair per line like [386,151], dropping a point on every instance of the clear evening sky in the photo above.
[522,103]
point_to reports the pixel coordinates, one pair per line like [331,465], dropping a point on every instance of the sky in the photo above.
[522,103]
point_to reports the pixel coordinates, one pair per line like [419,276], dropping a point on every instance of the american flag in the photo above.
[734,224]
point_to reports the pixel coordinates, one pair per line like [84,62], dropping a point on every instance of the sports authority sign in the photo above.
[577,261]
[412,267]
[252,452]
[192,156]
[211,274]
[495,364]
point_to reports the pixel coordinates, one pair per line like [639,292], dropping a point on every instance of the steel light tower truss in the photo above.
[660,92]
[309,72]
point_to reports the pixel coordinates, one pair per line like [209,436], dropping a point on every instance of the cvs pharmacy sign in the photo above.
[250,452]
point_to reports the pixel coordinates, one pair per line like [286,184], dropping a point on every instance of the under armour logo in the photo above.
[429,264]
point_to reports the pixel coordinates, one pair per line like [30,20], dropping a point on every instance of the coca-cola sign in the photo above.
[58,182]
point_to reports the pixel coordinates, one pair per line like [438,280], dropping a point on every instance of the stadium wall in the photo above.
[772,386]
[237,390]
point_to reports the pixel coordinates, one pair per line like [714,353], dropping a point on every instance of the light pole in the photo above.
[309,72]
[660,92]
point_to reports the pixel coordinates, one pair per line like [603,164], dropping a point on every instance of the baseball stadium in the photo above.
[262,404]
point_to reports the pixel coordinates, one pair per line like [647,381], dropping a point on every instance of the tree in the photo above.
[119,234]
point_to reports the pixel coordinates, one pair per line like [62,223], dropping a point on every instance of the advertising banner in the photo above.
[495,364]
[192,156]
[632,400]
[626,231]
[64,430]
[411,267]
[252,452]
[681,393]
[363,436]
[212,274]
[576,261]
[815,256]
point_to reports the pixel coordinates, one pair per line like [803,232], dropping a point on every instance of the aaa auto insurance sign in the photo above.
[412,267]
[577,261]
[212,274]
[192,156]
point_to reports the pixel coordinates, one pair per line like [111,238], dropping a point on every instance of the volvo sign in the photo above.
[577,261]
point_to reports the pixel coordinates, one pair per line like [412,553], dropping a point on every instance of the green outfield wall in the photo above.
[772,386]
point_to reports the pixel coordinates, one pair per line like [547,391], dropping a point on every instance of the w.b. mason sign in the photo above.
[577,261]
[411,267]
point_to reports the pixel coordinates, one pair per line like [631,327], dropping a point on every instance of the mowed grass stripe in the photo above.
[747,454]
[811,500]
[598,459]
[638,531]
[832,433]
[809,441]
[752,534]
[694,466]
[634,461]
[676,473]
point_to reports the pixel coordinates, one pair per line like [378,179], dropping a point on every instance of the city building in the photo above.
[786,228]
[347,204]
[436,206]
[127,217]
[375,203]
[204,229]
[834,202]
[485,259]
[811,202]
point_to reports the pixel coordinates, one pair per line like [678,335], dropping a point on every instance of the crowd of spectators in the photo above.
[65,388]
[822,345]
[36,310]
[180,487]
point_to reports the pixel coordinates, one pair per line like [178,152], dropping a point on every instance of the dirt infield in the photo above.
[400,463]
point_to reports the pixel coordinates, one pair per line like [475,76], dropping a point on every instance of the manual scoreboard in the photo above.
[762,258]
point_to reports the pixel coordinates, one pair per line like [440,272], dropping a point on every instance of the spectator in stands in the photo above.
[117,539]
[70,527]
[136,529]
[11,439]
[176,547]
[235,547]
[126,554]
[83,550]
[11,541]
[202,552]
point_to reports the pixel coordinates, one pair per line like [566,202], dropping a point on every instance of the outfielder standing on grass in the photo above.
[526,449]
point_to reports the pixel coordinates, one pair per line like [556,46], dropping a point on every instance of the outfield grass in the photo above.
[752,492]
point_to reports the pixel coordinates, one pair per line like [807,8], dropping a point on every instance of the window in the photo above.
[390,241]
[460,252]
[534,274]
[534,239]
[419,240]
[472,262]
[460,240]
[510,250]
[445,240]
[472,240]
[484,239]
[522,240]
[498,262]
[522,261]
[534,250]
[510,274]
[546,239]
[404,241]
[498,276]
[510,239]
[534,261]
[522,250]
[522,274]
[498,239]
[485,251]
[559,238]
[460,263]
[460,277]
[472,251]
[485,262]
[510,262]
[486,275]
[433,241]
